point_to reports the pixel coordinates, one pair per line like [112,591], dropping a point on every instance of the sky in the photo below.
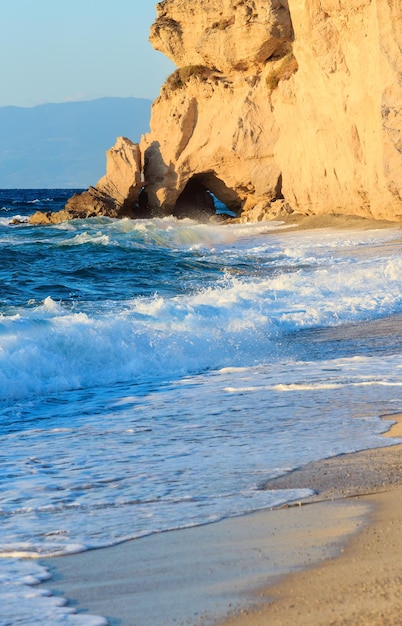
[67,50]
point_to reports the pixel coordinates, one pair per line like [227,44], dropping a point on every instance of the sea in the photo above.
[155,373]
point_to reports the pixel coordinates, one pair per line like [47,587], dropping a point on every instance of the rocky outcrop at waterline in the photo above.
[115,195]
[294,103]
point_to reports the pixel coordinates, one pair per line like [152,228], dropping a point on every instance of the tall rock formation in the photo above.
[293,99]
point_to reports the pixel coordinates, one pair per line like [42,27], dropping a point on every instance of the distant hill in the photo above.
[63,145]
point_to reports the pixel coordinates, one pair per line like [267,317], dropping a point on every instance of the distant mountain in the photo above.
[63,145]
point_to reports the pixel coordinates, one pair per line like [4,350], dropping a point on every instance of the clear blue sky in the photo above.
[63,50]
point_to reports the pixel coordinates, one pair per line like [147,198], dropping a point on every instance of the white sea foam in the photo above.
[171,232]
[23,602]
[97,238]
[134,415]
[50,348]
[161,446]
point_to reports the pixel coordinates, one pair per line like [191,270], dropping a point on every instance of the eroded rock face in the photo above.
[213,119]
[275,103]
[123,173]
[300,99]
[228,35]
[340,117]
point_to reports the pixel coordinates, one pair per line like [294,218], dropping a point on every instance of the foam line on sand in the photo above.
[246,567]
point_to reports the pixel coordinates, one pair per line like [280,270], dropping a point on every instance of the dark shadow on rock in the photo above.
[159,177]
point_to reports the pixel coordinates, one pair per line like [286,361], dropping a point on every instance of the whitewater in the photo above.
[154,374]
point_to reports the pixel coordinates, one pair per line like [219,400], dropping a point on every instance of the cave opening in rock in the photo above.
[206,195]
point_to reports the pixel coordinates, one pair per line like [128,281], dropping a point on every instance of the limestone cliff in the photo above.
[289,103]
[300,99]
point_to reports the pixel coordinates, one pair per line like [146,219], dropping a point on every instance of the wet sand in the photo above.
[198,575]
[361,586]
[240,567]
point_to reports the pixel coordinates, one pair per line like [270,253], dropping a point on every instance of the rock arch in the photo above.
[197,198]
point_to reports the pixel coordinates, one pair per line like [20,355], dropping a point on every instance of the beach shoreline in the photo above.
[242,571]
[361,584]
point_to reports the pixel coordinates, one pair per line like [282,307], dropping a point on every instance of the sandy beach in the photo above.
[361,585]
[334,558]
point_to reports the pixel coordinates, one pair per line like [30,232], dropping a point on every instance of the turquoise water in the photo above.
[155,373]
